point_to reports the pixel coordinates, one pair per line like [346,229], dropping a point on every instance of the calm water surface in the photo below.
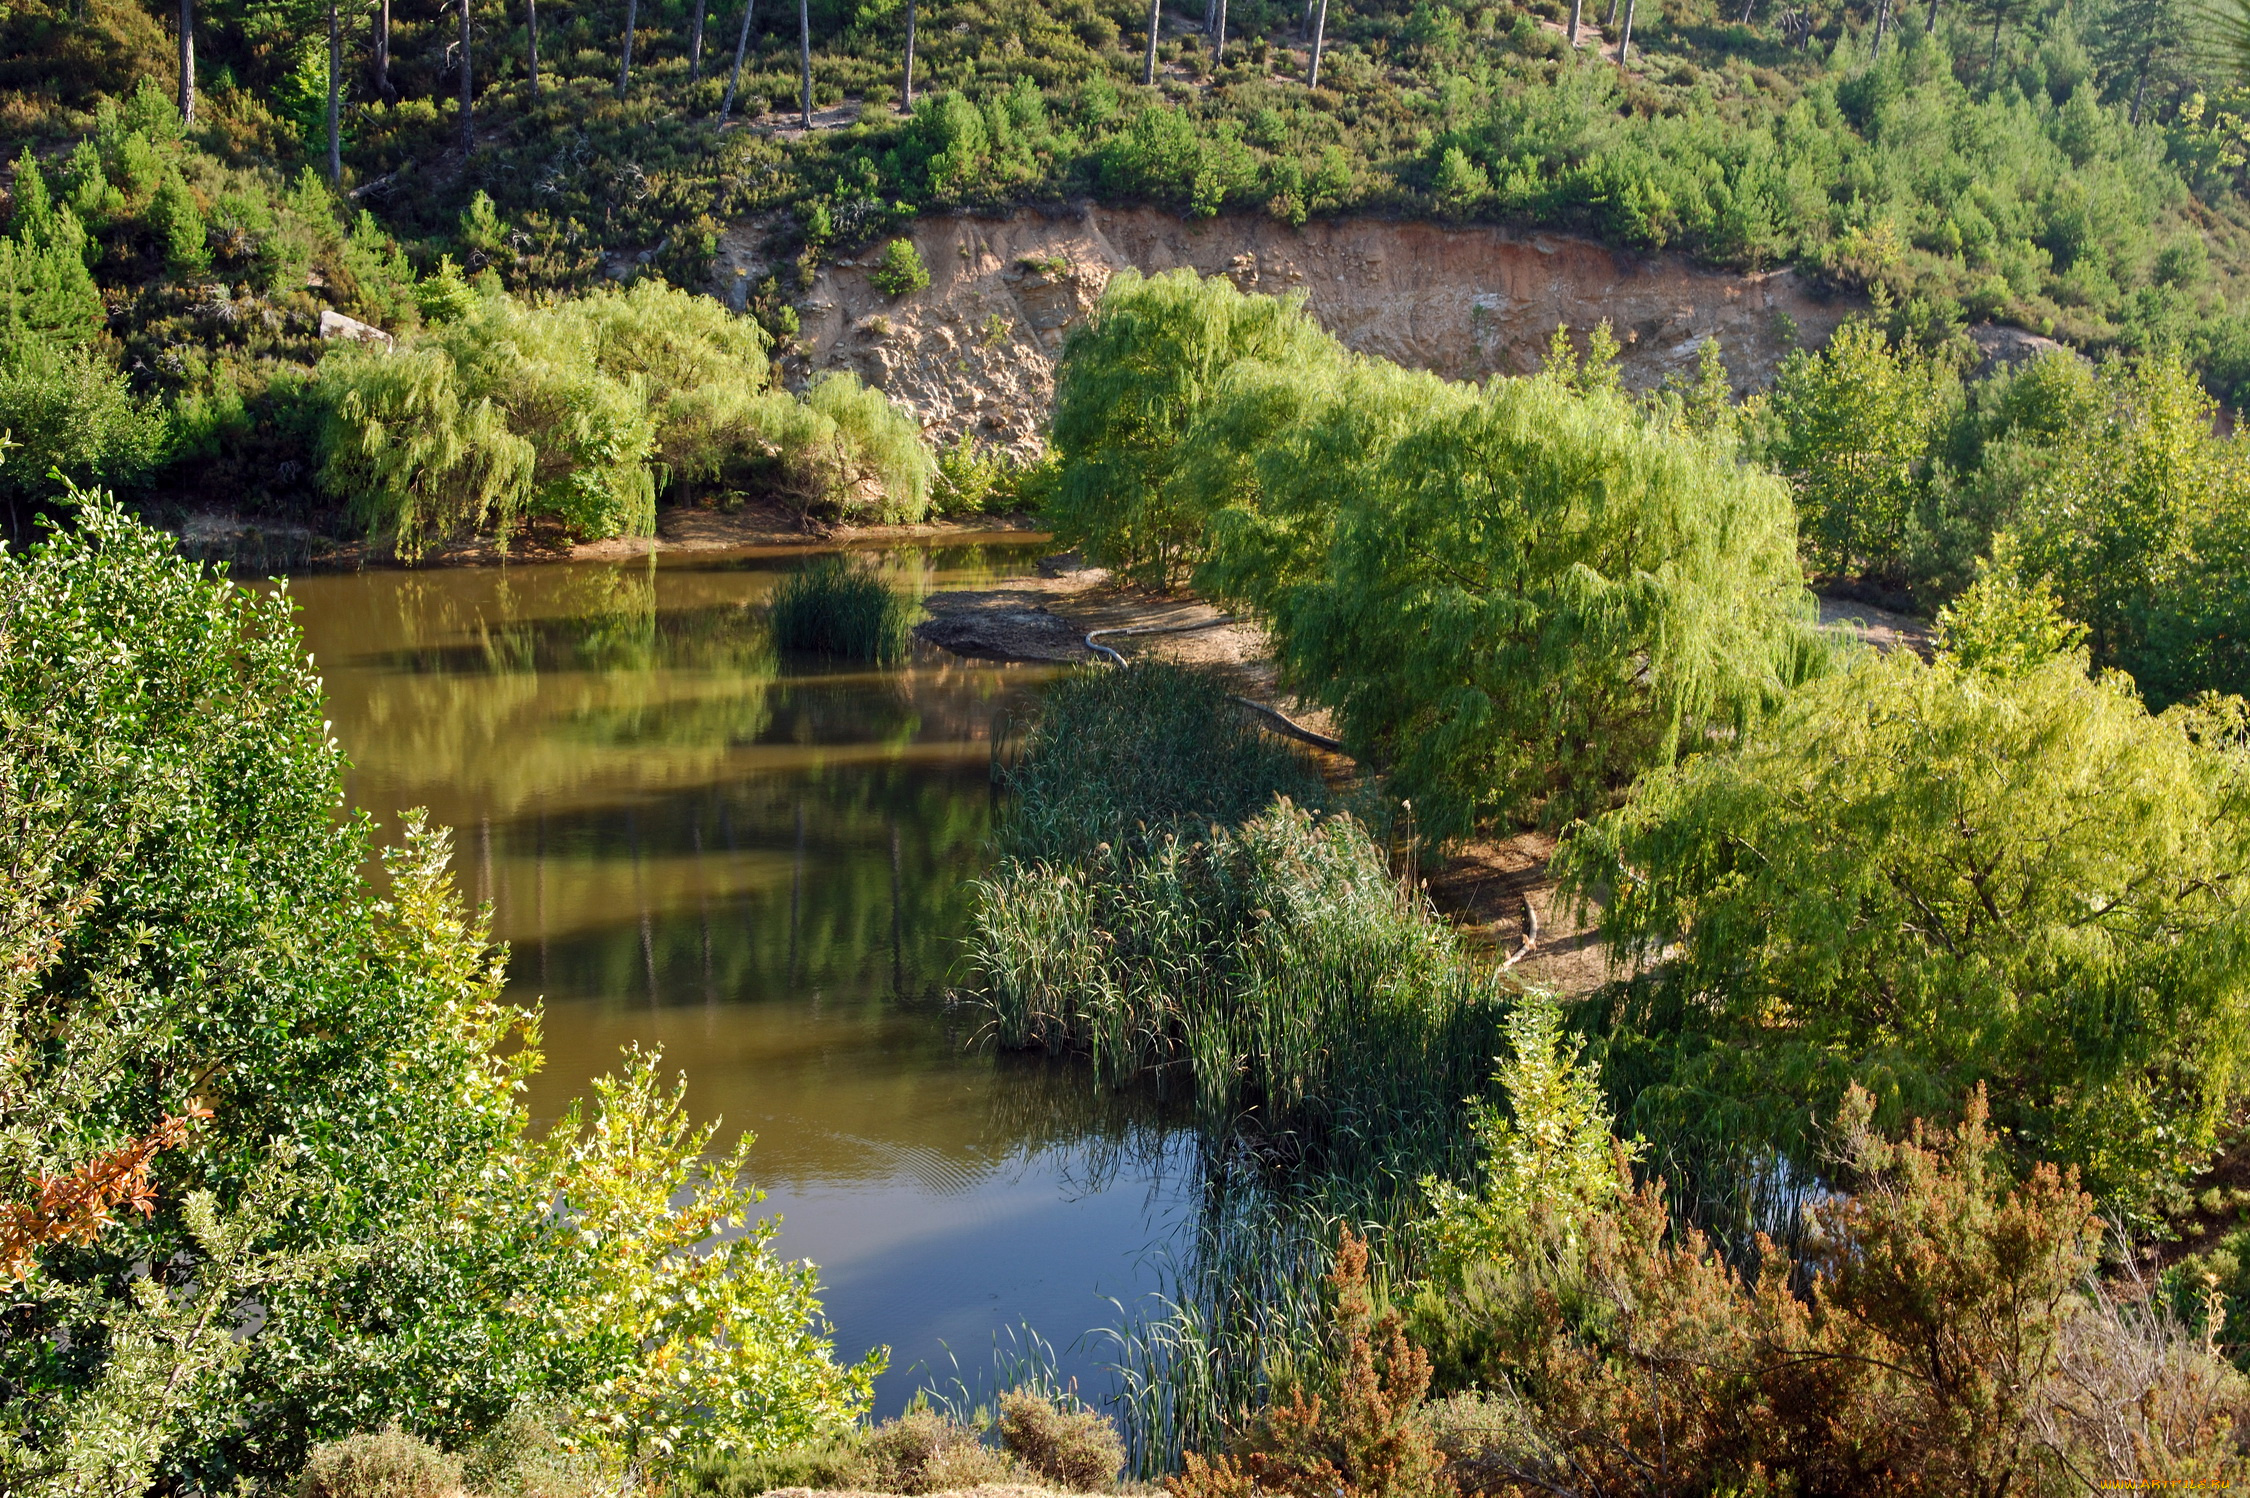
[761,862]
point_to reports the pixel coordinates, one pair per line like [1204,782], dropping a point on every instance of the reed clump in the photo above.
[1125,756]
[833,608]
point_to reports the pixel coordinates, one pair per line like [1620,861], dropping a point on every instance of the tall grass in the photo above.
[1184,902]
[834,608]
[1125,756]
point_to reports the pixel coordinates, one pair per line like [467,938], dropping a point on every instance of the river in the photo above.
[761,863]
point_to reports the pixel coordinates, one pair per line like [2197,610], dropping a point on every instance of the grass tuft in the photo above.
[834,608]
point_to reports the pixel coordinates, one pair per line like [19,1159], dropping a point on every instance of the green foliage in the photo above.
[200,927]
[45,289]
[1549,1159]
[900,270]
[1277,966]
[2141,522]
[1127,757]
[384,1464]
[502,413]
[178,226]
[1132,381]
[1856,422]
[835,608]
[69,411]
[1924,878]
[2003,625]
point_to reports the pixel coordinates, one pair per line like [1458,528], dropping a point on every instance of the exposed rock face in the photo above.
[975,350]
[334,324]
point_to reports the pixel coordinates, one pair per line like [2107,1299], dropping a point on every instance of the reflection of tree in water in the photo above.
[1041,1102]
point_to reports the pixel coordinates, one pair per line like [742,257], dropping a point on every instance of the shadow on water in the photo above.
[761,863]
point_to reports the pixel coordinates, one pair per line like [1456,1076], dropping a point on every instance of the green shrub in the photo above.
[1132,381]
[900,270]
[177,223]
[503,412]
[835,608]
[69,410]
[1075,1449]
[1277,968]
[923,1451]
[1516,597]
[386,1464]
[1127,757]
[838,1462]
[1923,878]
[526,1456]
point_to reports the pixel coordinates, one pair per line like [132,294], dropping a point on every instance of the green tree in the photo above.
[1919,878]
[2141,522]
[207,943]
[1515,598]
[1132,381]
[1855,425]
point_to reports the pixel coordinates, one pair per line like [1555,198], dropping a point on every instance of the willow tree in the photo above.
[1515,598]
[1132,381]
[1919,878]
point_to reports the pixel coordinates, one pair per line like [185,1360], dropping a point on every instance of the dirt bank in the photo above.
[975,350]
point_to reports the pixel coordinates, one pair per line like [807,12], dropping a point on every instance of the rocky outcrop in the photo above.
[975,350]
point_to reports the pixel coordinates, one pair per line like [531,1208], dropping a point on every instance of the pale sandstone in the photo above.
[975,350]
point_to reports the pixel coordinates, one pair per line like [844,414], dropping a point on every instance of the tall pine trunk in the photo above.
[379,50]
[1319,35]
[1219,39]
[804,61]
[468,84]
[335,94]
[531,35]
[187,62]
[907,93]
[1148,66]
[1931,29]
[1625,37]
[695,45]
[625,69]
[741,43]
[1575,7]
[1882,24]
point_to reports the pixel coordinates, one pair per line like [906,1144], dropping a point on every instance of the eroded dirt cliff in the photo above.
[975,350]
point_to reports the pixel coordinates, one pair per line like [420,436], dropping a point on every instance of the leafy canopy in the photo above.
[1922,878]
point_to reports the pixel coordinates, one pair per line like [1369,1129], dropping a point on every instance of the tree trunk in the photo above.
[1148,66]
[1576,6]
[1931,29]
[908,92]
[379,44]
[1219,38]
[804,60]
[741,42]
[1625,37]
[1882,24]
[2140,85]
[1609,17]
[468,84]
[1210,17]
[1998,15]
[625,70]
[1749,9]
[531,31]
[335,94]
[187,62]
[695,45]
[1319,35]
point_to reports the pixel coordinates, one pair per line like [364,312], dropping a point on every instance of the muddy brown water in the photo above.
[761,863]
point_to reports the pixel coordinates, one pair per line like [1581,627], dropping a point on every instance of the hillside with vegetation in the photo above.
[2075,170]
